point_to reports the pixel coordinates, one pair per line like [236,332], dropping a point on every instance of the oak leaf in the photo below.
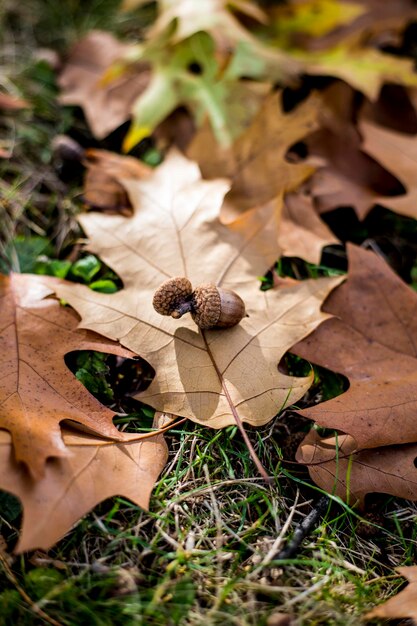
[93,470]
[192,72]
[336,466]
[256,161]
[106,104]
[374,329]
[302,233]
[102,189]
[175,231]
[367,70]
[211,16]
[402,605]
[174,66]
[189,73]
[347,176]
[397,152]
[319,24]
[295,23]
[37,390]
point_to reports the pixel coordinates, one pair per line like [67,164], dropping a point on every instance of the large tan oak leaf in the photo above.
[93,471]
[373,341]
[37,390]
[175,231]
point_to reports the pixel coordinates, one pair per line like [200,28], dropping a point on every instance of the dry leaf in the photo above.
[175,231]
[371,340]
[349,177]
[37,390]
[12,103]
[319,24]
[302,233]
[336,467]
[102,189]
[402,605]
[211,16]
[194,74]
[92,471]
[305,23]
[395,109]
[106,105]
[364,69]
[256,161]
[397,152]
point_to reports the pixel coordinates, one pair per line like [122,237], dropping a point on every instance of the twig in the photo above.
[304,529]
[238,421]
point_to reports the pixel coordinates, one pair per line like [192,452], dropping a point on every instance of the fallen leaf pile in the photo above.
[175,231]
[201,56]
[280,118]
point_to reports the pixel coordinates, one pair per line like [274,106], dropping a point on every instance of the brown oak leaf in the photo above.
[175,231]
[349,176]
[397,152]
[302,233]
[372,341]
[106,104]
[92,471]
[102,189]
[402,605]
[336,466]
[256,161]
[37,390]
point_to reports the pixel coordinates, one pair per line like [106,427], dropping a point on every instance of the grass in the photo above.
[206,553]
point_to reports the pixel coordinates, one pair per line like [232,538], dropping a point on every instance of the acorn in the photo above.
[210,306]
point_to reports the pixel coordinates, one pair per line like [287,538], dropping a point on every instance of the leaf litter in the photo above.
[175,231]
[350,164]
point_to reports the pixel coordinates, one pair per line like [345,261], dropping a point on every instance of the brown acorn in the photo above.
[210,306]
[171,294]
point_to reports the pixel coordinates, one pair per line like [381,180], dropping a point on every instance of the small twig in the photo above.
[36,609]
[304,529]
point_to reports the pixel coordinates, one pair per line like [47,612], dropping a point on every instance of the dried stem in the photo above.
[304,529]
[237,419]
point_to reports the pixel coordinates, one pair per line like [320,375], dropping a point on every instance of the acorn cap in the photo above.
[171,294]
[206,306]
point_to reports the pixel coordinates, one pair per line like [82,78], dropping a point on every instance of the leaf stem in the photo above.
[236,417]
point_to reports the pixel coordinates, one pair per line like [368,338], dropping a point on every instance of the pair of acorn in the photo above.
[210,306]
